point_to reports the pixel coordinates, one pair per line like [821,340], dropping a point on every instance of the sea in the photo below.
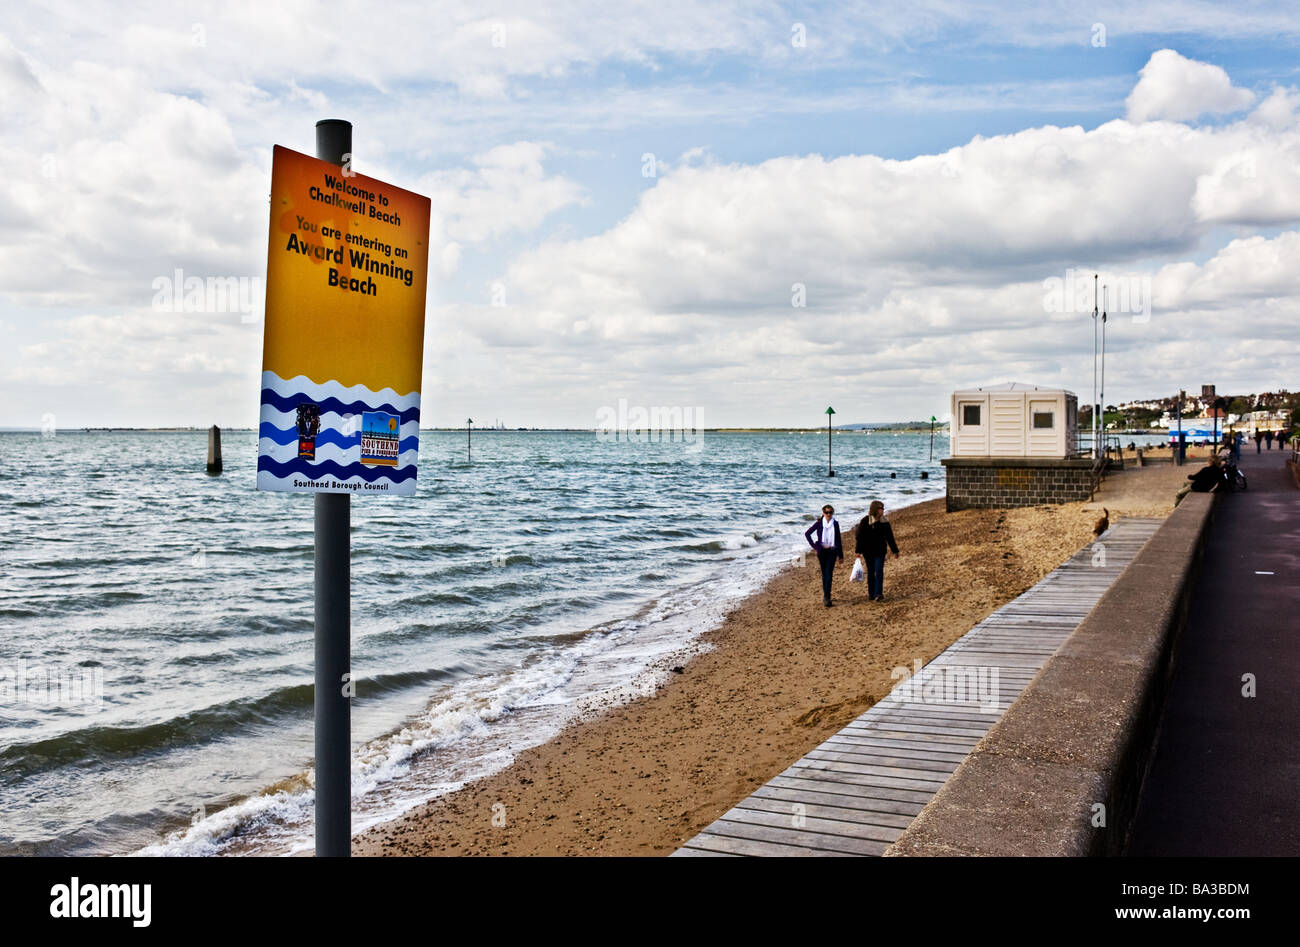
[156,623]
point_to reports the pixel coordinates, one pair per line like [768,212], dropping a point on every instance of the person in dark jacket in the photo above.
[1206,480]
[824,536]
[1259,436]
[873,536]
[1268,439]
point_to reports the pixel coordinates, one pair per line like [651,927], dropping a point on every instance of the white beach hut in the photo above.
[1014,420]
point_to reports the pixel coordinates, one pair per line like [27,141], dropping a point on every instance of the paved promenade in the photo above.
[1225,779]
[858,791]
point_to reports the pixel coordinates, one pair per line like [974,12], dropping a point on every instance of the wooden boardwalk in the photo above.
[858,791]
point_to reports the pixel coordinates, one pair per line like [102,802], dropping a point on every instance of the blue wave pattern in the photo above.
[337,438]
[337,466]
[320,469]
[290,402]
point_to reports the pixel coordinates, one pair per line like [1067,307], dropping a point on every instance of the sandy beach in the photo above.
[783,674]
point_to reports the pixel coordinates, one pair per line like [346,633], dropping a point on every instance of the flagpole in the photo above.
[1095,455]
[1103,361]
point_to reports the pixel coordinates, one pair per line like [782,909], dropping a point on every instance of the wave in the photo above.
[290,403]
[301,467]
[327,435]
[188,730]
[329,452]
[329,420]
[301,384]
[105,744]
[743,541]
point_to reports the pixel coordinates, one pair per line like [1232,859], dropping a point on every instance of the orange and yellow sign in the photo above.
[346,277]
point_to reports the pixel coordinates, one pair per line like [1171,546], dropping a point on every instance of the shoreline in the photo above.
[775,678]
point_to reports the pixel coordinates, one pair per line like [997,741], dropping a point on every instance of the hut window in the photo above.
[1043,419]
[970,415]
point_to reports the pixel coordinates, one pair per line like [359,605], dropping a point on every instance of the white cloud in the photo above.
[1180,89]
[731,240]
[1247,271]
[508,190]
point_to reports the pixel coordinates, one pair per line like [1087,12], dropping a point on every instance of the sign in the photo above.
[343,345]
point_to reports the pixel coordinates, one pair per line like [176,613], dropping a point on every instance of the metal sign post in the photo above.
[932,438]
[333,618]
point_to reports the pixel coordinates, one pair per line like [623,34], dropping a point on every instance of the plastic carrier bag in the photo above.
[858,573]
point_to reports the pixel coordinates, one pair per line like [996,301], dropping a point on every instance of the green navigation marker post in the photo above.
[932,438]
[830,471]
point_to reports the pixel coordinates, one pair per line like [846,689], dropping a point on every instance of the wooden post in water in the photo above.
[830,470]
[214,450]
[469,440]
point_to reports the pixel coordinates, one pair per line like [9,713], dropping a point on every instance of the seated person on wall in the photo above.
[1205,480]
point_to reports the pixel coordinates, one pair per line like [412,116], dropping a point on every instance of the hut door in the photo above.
[1045,427]
[972,428]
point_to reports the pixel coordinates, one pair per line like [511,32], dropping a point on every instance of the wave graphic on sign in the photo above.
[318,392]
[289,402]
[327,435]
[339,455]
[319,469]
[326,452]
[329,420]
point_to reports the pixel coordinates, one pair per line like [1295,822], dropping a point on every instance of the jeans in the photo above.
[827,558]
[875,576]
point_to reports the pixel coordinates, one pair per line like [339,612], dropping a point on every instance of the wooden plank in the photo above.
[941,751]
[802,838]
[706,843]
[819,810]
[961,715]
[806,822]
[931,729]
[889,748]
[828,782]
[887,732]
[862,776]
[809,793]
[884,730]
[901,762]
[956,715]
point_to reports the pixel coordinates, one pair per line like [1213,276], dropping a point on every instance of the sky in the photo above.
[749,210]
